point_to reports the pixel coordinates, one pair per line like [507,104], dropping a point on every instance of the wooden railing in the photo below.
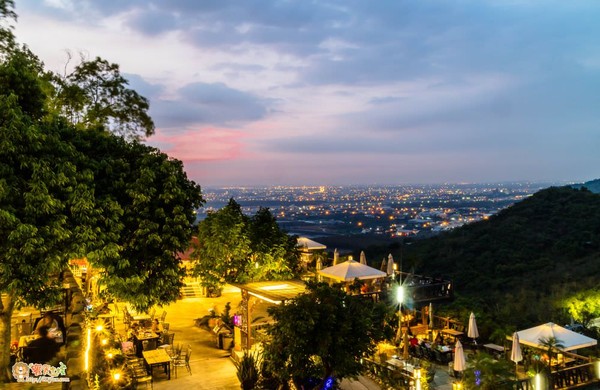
[571,377]
[577,377]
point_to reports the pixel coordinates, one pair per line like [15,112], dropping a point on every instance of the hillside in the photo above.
[547,245]
[593,185]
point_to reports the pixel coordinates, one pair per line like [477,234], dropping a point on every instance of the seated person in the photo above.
[133,331]
[414,341]
[55,331]
[42,349]
[48,321]
[156,326]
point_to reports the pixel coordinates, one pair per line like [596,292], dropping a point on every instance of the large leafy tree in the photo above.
[274,253]
[224,246]
[96,94]
[235,248]
[69,191]
[322,334]
[155,204]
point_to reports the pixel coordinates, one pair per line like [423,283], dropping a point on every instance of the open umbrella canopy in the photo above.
[459,357]
[569,339]
[473,332]
[363,258]
[390,265]
[350,270]
[515,354]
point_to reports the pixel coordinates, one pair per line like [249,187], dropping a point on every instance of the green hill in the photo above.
[593,185]
[521,265]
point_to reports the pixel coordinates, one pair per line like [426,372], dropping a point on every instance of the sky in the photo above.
[342,92]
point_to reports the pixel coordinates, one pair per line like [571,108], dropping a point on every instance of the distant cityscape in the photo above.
[395,211]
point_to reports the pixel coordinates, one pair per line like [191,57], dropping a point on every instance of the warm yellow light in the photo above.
[104,341]
[116,375]
[99,328]
[109,355]
[87,349]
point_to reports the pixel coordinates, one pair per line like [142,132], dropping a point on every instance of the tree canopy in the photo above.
[544,249]
[235,248]
[322,334]
[73,190]
[95,93]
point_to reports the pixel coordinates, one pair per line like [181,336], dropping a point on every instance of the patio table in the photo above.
[452,332]
[158,357]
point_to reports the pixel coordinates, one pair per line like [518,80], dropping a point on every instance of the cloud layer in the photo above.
[347,91]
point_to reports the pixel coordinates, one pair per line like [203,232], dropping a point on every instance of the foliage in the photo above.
[322,334]
[236,248]
[486,373]
[152,205]
[552,345]
[7,12]
[272,249]
[69,192]
[95,94]
[248,370]
[544,249]
[226,315]
[224,246]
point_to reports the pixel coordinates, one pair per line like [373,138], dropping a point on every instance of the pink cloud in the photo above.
[201,144]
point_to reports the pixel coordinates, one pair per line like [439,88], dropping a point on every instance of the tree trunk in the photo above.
[6,310]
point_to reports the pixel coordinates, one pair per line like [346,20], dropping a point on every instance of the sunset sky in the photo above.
[330,92]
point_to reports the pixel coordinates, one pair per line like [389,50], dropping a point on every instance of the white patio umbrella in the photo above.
[459,358]
[336,256]
[319,264]
[473,332]
[430,315]
[363,258]
[515,354]
[390,265]
[383,265]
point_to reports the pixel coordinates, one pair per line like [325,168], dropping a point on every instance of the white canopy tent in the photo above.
[571,340]
[350,270]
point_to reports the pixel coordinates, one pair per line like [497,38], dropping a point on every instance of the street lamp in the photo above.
[400,299]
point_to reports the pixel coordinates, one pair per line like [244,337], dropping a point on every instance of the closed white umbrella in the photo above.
[363,258]
[319,264]
[390,265]
[459,358]
[383,265]
[336,257]
[515,354]
[430,315]
[472,332]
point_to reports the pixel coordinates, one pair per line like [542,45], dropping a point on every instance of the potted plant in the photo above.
[247,371]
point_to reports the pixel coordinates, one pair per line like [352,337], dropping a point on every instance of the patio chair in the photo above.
[183,361]
[167,340]
[141,376]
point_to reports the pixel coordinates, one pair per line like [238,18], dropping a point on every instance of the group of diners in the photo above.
[438,351]
[150,345]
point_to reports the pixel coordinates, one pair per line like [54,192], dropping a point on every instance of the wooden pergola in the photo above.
[272,292]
